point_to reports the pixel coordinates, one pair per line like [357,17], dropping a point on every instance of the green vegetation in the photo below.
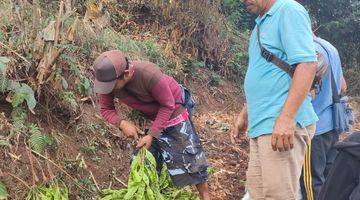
[90,147]
[144,183]
[38,141]
[50,192]
[3,191]
[338,22]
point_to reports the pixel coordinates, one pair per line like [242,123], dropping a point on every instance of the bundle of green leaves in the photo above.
[51,192]
[145,184]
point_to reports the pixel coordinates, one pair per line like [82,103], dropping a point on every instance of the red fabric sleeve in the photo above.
[107,109]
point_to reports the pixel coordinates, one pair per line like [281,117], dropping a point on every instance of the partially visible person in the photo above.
[322,152]
[278,113]
[343,180]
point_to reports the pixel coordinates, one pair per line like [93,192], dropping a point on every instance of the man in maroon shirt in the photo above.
[172,137]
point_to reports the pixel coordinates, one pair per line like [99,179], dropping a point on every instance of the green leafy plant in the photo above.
[96,159]
[4,82]
[145,184]
[3,191]
[51,192]
[18,116]
[89,184]
[215,79]
[211,170]
[191,66]
[76,164]
[4,142]
[84,87]
[23,92]
[69,99]
[143,181]
[38,141]
[90,147]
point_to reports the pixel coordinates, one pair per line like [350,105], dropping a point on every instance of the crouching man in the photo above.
[143,87]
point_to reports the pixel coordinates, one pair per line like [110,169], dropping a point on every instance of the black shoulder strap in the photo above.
[335,94]
[270,57]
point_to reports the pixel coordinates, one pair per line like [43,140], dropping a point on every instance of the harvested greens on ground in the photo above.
[53,191]
[145,184]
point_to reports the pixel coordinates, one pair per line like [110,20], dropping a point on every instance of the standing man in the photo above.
[278,111]
[143,87]
[323,151]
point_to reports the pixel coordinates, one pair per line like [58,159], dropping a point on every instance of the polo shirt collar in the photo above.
[272,11]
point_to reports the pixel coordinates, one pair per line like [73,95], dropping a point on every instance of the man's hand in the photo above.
[240,125]
[283,134]
[130,130]
[145,141]
[284,128]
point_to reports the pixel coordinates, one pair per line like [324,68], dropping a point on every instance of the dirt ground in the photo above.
[98,157]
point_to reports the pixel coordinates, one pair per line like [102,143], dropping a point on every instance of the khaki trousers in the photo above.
[274,175]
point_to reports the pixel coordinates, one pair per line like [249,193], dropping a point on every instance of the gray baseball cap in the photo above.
[108,67]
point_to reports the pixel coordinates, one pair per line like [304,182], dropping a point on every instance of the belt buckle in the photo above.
[267,55]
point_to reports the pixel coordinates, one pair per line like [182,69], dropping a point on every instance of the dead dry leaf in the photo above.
[48,33]
[71,31]
[93,11]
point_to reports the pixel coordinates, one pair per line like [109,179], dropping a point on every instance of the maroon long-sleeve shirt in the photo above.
[151,92]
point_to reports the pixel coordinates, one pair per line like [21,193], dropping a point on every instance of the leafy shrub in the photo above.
[22,92]
[84,87]
[38,141]
[70,99]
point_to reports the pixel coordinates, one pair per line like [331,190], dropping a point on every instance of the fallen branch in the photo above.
[61,169]
[93,178]
[20,56]
[33,173]
[19,179]
[223,171]
[117,179]
[51,174]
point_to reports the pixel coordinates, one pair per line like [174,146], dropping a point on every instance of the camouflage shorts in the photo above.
[181,149]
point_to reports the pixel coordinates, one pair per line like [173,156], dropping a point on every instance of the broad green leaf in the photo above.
[23,92]
[3,191]
[30,97]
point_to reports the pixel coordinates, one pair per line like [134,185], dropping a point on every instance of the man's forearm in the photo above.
[343,86]
[299,89]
